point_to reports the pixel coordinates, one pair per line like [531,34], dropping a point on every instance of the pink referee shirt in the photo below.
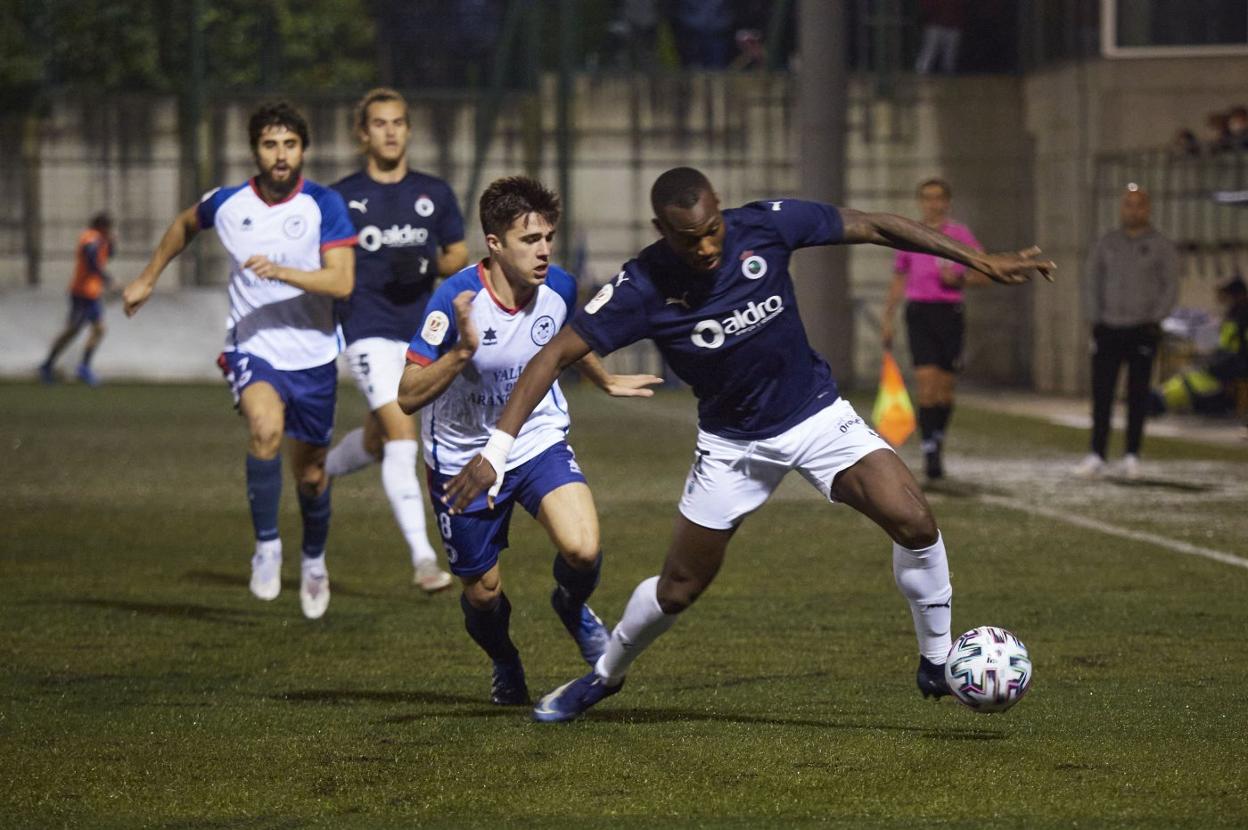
[922,271]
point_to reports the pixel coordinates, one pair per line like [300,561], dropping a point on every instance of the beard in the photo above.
[281,187]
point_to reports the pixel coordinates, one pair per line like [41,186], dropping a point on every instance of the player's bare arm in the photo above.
[177,236]
[421,384]
[452,258]
[618,386]
[335,278]
[535,381]
[907,235]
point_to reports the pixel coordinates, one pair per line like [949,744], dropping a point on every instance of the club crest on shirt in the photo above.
[294,227]
[753,266]
[436,326]
[600,299]
[424,206]
[543,329]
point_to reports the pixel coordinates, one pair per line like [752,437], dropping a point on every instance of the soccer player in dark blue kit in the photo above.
[716,297]
[410,232]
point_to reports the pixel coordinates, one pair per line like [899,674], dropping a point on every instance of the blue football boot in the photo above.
[583,624]
[571,699]
[509,688]
[931,679]
[87,376]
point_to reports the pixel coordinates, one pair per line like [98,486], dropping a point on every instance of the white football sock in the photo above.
[641,625]
[349,455]
[398,477]
[922,576]
[269,547]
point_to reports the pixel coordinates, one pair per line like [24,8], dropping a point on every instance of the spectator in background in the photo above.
[634,34]
[1237,128]
[943,22]
[95,245]
[703,33]
[1207,390]
[1185,144]
[1131,282]
[1217,138]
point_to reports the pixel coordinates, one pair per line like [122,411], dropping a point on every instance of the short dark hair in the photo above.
[680,187]
[935,181]
[277,114]
[101,220]
[507,199]
[376,96]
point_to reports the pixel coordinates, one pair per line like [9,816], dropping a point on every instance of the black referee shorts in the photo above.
[935,331]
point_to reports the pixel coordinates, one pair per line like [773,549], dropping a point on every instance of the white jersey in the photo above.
[457,424]
[284,325]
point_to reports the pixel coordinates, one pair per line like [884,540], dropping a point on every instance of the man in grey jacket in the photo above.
[1131,282]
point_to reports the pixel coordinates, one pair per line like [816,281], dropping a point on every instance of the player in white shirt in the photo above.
[290,246]
[480,329]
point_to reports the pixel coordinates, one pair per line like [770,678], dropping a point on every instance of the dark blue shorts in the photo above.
[83,310]
[474,538]
[307,394]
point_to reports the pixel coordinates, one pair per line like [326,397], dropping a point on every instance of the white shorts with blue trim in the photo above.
[732,478]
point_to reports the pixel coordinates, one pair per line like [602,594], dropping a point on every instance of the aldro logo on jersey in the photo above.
[711,334]
[372,238]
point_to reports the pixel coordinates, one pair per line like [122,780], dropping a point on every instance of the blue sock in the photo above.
[576,585]
[491,628]
[264,492]
[316,512]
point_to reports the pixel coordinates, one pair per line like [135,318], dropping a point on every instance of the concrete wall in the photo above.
[1075,112]
[1019,152]
[125,156]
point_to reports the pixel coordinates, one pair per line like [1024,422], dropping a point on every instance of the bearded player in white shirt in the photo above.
[480,329]
[290,244]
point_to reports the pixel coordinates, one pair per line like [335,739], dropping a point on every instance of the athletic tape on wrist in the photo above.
[496,451]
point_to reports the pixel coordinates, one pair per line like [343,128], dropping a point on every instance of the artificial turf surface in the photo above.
[143,686]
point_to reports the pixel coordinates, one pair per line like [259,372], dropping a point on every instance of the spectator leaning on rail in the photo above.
[1130,282]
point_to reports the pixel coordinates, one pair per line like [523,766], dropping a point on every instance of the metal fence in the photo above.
[1212,236]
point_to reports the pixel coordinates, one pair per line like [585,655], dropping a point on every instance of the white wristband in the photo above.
[496,451]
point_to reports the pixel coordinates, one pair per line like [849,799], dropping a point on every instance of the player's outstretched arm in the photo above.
[535,381]
[421,384]
[907,235]
[178,235]
[618,386]
[335,278]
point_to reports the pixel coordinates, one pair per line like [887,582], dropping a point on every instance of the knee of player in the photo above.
[266,440]
[917,529]
[482,595]
[675,595]
[582,553]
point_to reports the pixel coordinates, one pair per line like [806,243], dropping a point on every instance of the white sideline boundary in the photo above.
[1121,532]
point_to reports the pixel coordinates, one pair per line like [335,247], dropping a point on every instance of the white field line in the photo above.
[1121,532]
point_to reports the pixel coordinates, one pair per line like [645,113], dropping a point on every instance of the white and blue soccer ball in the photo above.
[988,669]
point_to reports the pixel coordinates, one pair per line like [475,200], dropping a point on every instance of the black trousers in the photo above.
[1112,346]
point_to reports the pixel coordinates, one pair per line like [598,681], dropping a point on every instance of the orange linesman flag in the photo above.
[893,414]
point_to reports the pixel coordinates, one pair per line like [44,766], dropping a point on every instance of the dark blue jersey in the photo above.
[401,226]
[735,335]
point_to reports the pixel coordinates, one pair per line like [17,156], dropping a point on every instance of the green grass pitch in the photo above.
[143,686]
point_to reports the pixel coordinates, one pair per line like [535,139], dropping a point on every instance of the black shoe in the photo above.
[931,679]
[932,466]
[509,688]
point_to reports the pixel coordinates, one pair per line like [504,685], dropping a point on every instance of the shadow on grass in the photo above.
[479,708]
[1162,484]
[243,580]
[170,610]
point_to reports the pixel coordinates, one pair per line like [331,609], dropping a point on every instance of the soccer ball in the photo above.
[988,669]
